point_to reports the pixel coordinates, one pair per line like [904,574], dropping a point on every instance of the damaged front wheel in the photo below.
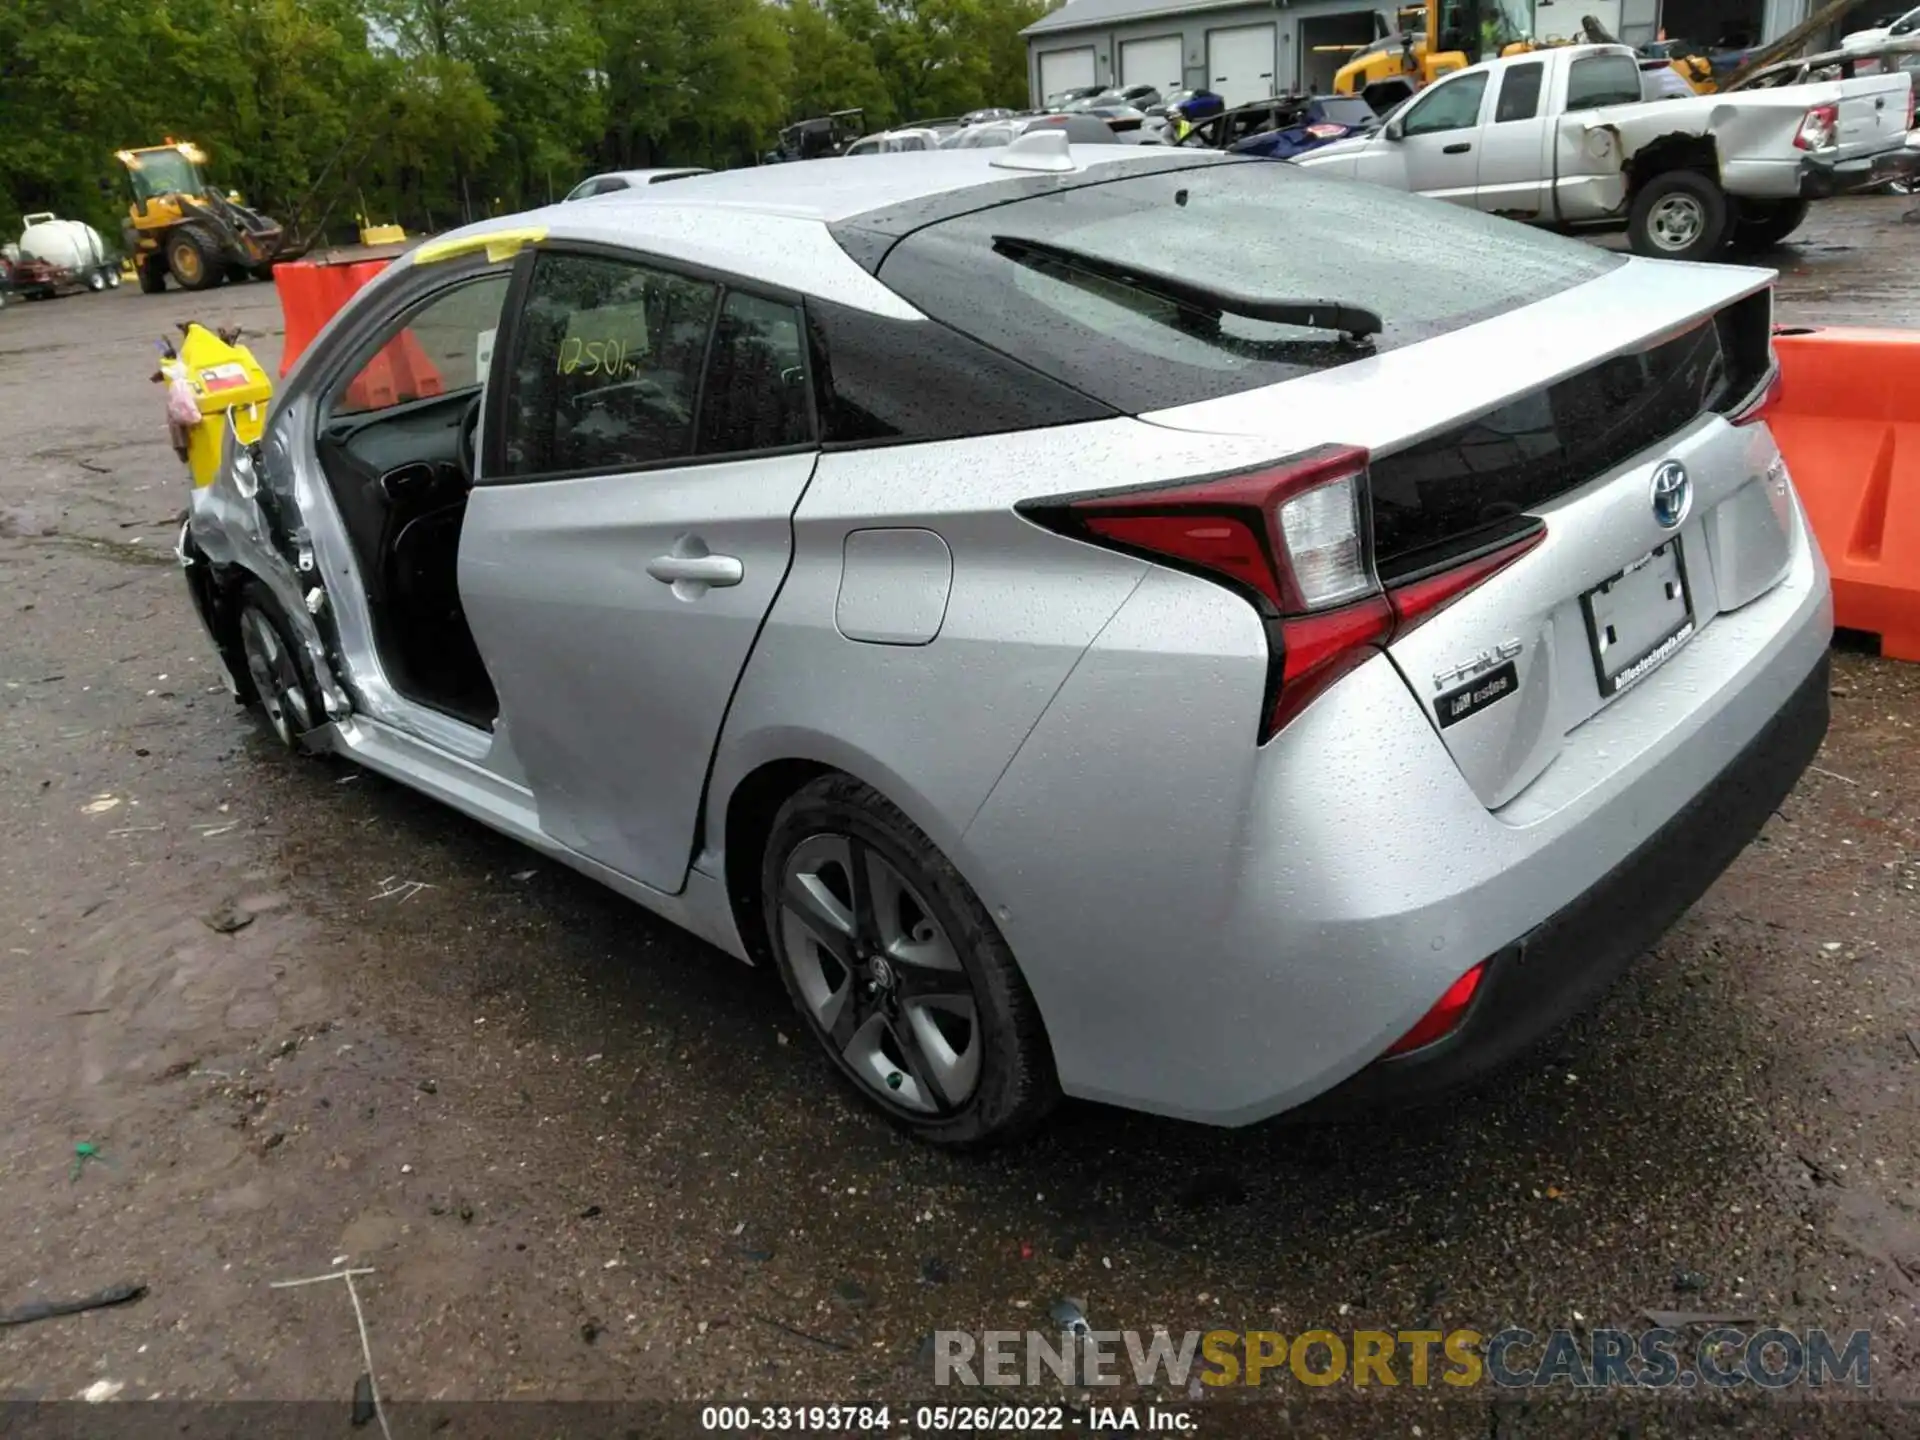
[279,681]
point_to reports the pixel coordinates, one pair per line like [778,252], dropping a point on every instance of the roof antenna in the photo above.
[1036,150]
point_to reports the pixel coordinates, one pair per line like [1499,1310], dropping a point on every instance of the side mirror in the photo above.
[1393,130]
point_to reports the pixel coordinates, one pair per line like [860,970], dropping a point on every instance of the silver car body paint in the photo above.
[1212,928]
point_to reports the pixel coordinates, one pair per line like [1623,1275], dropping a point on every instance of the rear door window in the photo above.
[755,397]
[1519,93]
[1598,80]
[605,373]
[1239,227]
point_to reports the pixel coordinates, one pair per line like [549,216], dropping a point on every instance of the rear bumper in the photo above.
[1566,962]
[1223,933]
[1820,179]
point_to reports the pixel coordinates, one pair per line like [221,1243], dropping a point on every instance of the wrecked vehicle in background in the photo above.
[1892,55]
[1563,138]
[1285,126]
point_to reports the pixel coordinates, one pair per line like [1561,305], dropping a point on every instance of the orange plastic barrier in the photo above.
[311,293]
[1848,423]
[400,372]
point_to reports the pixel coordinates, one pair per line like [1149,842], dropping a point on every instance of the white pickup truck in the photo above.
[1562,138]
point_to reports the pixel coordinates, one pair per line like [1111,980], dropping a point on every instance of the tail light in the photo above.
[1763,402]
[1293,539]
[1447,1013]
[1816,130]
[1911,123]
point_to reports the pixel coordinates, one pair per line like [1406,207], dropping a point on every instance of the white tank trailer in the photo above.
[57,256]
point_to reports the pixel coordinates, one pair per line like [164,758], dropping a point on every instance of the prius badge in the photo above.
[1485,660]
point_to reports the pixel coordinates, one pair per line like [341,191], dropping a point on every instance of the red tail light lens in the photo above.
[1295,540]
[1445,1016]
[1291,536]
[1816,130]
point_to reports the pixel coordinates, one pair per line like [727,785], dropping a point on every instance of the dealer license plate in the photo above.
[1639,617]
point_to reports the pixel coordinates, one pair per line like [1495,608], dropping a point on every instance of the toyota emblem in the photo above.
[1672,494]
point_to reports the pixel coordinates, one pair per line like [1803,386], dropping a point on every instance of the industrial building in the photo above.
[1246,51]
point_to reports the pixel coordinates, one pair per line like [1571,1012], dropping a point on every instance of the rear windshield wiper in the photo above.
[1353,321]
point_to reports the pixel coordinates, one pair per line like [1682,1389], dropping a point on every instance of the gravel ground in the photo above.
[588,1159]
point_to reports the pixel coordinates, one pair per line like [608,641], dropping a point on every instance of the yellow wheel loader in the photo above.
[181,226]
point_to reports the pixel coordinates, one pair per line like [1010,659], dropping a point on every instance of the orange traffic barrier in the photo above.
[399,373]
[1848,423]
[311,294]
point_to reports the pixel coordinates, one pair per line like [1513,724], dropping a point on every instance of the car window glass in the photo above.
[1452,106]
[1600,80]
[1277,230]
[442,347]
[1519,94]
[606,366]
[755,397]
[611,184]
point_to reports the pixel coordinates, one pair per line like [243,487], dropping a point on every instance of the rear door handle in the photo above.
[699,569]
[1462,148]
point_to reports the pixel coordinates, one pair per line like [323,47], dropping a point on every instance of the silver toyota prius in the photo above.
[1148,626]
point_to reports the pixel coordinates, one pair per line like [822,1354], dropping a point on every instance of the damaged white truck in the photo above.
[1562,138]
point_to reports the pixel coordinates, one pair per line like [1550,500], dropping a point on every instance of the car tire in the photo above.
[1759,225]
[112,272]
[192,262]
[907,985]
[278,682]
[153,275]
[97,281]
[1678,215]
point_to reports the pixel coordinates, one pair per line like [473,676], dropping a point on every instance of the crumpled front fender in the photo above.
[234,534]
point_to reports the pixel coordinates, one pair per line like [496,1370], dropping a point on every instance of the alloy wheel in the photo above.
[879,975]
[276,677]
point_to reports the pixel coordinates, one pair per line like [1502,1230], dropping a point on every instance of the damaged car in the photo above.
[1564,138]
[1090,626]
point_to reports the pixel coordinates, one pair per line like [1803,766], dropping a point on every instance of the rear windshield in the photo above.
[1272,229]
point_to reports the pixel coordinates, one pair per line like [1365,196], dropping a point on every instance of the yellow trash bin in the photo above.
[225,380]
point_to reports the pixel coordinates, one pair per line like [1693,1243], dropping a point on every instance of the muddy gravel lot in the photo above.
[302,1018]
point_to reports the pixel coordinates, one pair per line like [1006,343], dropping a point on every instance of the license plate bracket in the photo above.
[1637,618]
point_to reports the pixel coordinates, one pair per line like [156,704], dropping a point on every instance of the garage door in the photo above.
[1064,69]
[1329,41]
[1240,63]
[1152,62]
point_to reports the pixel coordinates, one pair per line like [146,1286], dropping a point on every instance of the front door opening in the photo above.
[398,442]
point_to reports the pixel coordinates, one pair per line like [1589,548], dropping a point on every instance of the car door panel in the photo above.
[1439,139]
[649,440]
[613,682]
[1515,151]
